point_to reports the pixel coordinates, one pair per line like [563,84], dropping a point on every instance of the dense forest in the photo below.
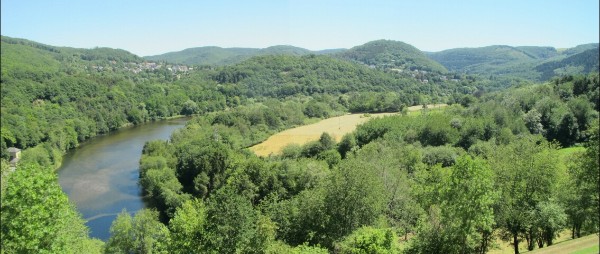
[507,160]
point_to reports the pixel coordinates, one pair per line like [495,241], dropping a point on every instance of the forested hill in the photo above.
[280,76]
[392,54]
[529,62]
[380,53]
[55,97]
[88,92]
[224,56]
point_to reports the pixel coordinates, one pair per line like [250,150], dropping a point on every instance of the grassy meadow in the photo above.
[337,127]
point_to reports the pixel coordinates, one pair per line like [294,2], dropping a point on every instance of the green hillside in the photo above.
[529,62]
[284,50]
[224,56]
[206,56]
[584,62]
[393,54]
[465,58]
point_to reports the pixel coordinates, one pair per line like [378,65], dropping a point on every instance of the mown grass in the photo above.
[589,250]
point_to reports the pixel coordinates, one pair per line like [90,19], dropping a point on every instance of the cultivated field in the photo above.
[335,126]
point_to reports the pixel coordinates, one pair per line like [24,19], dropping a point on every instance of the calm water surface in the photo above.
[101,176]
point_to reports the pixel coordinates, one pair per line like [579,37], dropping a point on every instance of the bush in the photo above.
[369,240]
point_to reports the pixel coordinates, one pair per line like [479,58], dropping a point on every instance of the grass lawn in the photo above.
[590,250]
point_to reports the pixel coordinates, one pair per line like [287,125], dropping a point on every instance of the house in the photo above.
[15,155]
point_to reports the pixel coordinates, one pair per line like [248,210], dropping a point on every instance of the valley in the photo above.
[287,150]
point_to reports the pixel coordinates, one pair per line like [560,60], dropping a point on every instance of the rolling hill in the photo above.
[225,56]
[529,62]
[380,53]
[393,54]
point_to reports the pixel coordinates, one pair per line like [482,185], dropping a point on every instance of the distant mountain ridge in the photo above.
[380,53]
[530,62]
[213,55]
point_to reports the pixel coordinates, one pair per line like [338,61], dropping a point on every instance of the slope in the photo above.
[529,62]
[393,54]
[224,56]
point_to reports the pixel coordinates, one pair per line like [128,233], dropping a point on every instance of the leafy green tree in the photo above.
[369,240]
[461,212]
[437,131]
[201,166]
[526,174]
[440,154]
[312,149]
[551,220]
[38,218]
[190,108]
[291,151]
[327,142]
[354,197]
[143,233]
[187,228]
[230,222]
[346,145]
[331,156]
[583,202]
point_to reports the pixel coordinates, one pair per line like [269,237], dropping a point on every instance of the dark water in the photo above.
[101,176]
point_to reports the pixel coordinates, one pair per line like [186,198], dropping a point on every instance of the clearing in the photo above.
[335,126]
[564,244]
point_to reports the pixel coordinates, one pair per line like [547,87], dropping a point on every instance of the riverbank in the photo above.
[101,176]
[49,156]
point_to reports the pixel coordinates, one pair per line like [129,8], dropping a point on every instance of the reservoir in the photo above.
[101,175]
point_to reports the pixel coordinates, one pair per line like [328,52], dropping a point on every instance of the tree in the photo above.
[461,211]
[585,173]
[187,228]
[346,145]
[189,108]
[141,234]
[37,216]
[551,218]
[230,222]
[526,174]
[369,240]
[201,166]
[327,142]
[354,197]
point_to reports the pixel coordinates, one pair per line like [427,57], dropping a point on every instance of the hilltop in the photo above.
[380,53]
[391,54]
[224,56]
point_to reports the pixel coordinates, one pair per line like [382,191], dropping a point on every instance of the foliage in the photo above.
[369,240]
[533,63]
[385,53]
[142,233]
[526,175]
[465,197]
[37,216]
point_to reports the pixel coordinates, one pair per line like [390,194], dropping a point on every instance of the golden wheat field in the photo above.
[335,126]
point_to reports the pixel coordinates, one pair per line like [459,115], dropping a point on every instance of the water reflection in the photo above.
[101,176]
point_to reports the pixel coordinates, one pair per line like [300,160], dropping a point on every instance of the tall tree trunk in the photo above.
[516,243]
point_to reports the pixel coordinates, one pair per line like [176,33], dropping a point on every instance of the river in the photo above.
[101,175]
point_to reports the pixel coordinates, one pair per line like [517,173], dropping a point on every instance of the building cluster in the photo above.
[136,68]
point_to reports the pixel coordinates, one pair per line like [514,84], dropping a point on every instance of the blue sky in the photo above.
[148,27]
